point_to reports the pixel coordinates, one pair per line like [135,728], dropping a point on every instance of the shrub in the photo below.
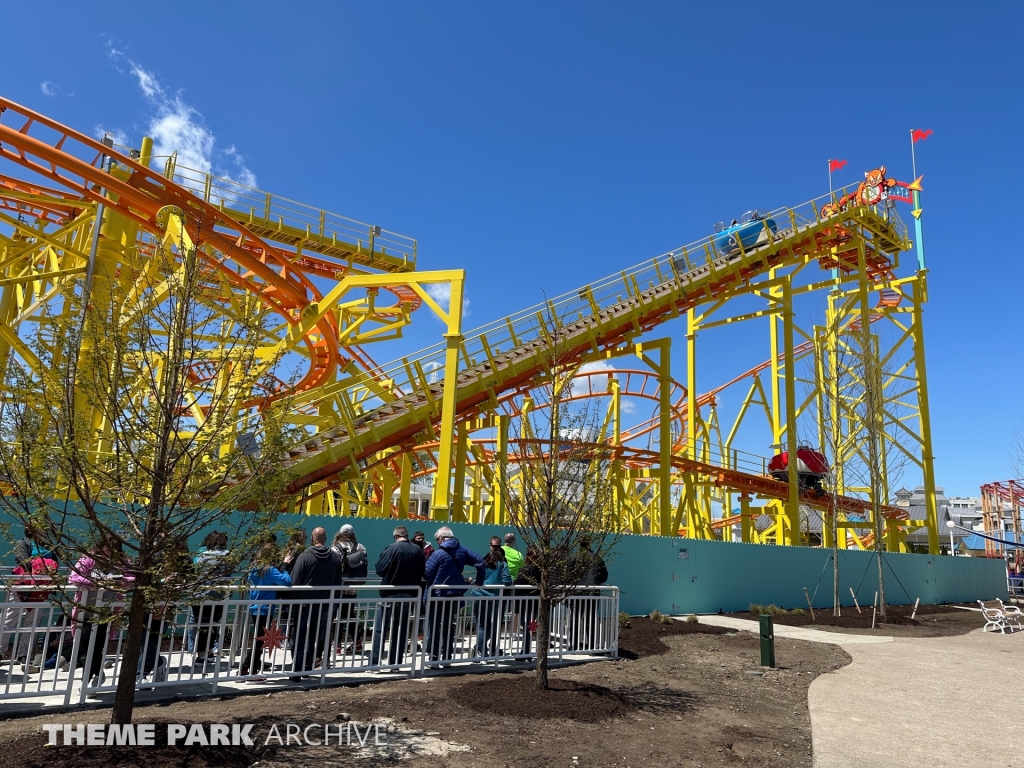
[775,610]
[692,619]
[623,620]
[659,618]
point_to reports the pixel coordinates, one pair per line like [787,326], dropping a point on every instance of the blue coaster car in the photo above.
[752,229]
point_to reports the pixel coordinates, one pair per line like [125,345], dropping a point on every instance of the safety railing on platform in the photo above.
[247,203]
[232,639]
[726,458]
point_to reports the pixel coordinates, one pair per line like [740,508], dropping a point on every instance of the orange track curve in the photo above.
[279,281]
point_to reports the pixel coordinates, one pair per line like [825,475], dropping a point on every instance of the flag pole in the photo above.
[830,180]
[913,155]
[916,212]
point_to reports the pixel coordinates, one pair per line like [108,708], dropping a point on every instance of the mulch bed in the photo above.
[895,614]
[643,637]
[518,696]
[32,752]
[704,702]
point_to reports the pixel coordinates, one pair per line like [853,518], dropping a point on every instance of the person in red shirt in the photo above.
[21,623]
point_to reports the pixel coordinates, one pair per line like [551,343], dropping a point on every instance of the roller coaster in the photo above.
[72,209]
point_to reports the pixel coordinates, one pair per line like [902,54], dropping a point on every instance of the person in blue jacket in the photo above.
[488,612]
[443,577]
[263,575]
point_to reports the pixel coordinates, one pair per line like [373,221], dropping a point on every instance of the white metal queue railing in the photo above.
[230,638]
[1015,585]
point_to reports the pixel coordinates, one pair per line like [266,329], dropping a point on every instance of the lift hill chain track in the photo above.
[602,318]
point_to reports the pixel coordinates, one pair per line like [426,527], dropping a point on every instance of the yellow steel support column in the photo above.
[475,497]
[773,356]
[406,486]
[388,481]
[615,518]
[776,392]
[664,370]
[458,503]
[694,523]
[927,457]
[746,524]
[792,536]
[501,472]
[441,506]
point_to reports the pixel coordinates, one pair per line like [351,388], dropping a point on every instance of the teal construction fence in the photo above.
[675,575]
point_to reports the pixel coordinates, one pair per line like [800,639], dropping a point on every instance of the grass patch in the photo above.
[774,610]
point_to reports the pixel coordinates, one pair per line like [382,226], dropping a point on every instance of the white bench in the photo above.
[1000,617]
[1013,614]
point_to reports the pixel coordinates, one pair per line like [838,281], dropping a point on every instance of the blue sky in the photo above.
[544,145]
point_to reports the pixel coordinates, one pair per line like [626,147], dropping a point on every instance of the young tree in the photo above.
[556,486]
[132,421]
[858,426]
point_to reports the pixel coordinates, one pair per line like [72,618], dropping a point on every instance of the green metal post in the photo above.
[767,640]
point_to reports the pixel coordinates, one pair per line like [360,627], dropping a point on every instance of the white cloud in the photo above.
[48,88]
[442,294]
[628,406]
[178,127]
[593,384]
[149,85]
[243,174]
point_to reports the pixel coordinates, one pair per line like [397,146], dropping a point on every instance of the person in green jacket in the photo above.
[513,556]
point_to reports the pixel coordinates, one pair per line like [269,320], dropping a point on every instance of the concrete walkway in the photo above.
[935,702]
[796,633]
[949,701]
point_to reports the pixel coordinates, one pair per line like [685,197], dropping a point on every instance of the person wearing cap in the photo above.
[356,567]
[443,576]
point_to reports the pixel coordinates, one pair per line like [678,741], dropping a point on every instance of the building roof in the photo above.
[976,542]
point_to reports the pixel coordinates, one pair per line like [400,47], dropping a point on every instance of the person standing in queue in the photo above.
[443,576]
[399,565]
[317,566]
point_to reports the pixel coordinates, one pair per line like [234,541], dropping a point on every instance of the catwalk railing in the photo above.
[299,635]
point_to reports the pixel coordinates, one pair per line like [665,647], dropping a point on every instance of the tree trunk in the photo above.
[124,699]
[543,638]
[836,610]
[881,586]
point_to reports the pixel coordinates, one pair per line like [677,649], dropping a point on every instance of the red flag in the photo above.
[919,134]
[835,165]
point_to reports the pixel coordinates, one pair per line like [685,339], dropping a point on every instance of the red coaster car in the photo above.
[811,468]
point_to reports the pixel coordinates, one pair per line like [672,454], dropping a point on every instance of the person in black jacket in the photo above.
[318,566]
[350,628]
[400,565]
